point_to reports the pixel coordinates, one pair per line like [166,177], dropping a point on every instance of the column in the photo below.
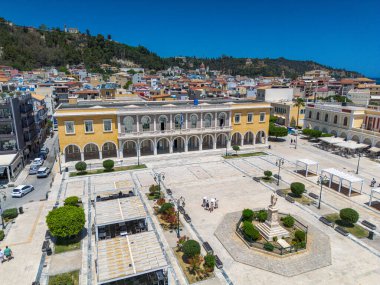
[340,184]
[170,147]
[63,158]
[154,123]
[200,142]
[8,174]
[186,121]
[230,119]
[228,143]
[137,123]
[100,155]
[155,146]
[349,193]
[82,156]
[118,125]
[331,178]
[186,144]
[216,120]
[241,141]
[120,153]
[361,187]
[307,168]
[201,114]
[214,142]
[171,121]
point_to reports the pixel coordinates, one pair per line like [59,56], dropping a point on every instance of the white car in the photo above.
[43,172]
[21,190]
[38,161]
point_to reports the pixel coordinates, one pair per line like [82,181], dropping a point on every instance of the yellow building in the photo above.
[98,130]
[287,113]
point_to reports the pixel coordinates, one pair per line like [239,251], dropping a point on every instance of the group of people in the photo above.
[5,254]
[209,204]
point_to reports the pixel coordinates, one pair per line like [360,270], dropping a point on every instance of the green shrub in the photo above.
[349,216]
[71,201]
[10,213]
[209,261]
[108,164]
[301,244]
[61,279]
[268,246]
[250,232]
[154,188]
[166,207]
[262,216]
[81,166]
[268,174]
[297,188]
[247,215]
[236,148]
[191,248]
[2,235]
[300,235]
[66,221]
[288,221]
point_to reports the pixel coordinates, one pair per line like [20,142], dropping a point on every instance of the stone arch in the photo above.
[129,149]
[193,120]
[207,120]
[207,142]
[72,153]
[355,138]
[91,151]
[163,145]
[249,138]
[146,123]
[109,149]
[178,144]
[147,147]
[236,139]
[333,132]
[128,123]
[260,138]
[367,141]
[378,144]
[343,135]
[162,122]
[324,130]
[193,143]
[221,140]
[222,119]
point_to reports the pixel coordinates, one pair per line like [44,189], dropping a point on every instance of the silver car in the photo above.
[43,172]
[21,190]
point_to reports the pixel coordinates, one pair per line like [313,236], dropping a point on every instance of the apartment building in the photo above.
[98,130]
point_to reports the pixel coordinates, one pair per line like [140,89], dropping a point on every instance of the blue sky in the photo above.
[338,33]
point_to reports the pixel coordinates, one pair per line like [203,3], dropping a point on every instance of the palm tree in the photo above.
[299,103]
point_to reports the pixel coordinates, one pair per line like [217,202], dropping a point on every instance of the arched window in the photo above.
[222,119]
[128,124]
[193,120]
[162,120]
[177,121]
[335,119]
[145,122]
[310,114]
[317,115]
[208,119]
[345,121]
[326,117]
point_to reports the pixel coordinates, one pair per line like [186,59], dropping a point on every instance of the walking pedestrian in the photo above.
[1,256]
[207,205]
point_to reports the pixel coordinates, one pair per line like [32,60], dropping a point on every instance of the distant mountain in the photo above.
[26,48]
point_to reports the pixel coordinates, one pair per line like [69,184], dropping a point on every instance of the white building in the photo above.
[359,96]
[274,94]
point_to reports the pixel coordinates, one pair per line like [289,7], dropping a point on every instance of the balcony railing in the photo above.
[188,131]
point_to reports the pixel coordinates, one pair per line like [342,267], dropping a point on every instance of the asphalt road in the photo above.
[41,185]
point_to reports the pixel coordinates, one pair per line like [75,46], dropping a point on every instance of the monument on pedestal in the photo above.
[271,227]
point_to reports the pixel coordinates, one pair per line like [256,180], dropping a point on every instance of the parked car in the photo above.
[21,190]
[38,161]
[34,168]
[43,172]
[44,150]
[42,155]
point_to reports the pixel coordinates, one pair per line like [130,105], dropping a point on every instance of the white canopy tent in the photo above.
[373,191]
[352,145]
[331,140]
[307,163]
[331,172]
[374,149]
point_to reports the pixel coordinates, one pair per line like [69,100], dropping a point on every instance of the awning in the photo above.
[374,149]
[331,140]
[7,159]
[351,145]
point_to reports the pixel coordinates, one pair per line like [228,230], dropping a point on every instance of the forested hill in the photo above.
[26,48]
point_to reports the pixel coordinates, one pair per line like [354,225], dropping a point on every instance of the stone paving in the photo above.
[317,254]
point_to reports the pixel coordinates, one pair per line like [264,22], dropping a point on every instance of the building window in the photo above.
[326,117]
[107,125]
[302,111]
[345,121]
[193,120]
[88,128]
[250,118]
[262,117]
[335,119]
[310,114]
[318,116]
[70,127]
[208,119]
[178,121]
[237,119]
[145,122]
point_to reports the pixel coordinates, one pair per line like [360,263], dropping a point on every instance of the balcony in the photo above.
[174,132]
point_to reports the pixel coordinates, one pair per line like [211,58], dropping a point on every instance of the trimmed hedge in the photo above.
[72,201]
[10,213]
[165,207]
[247,215]
[65,222]
[108,164]
[209,261]
[81,166]
[262,216]
[2,235]
[288,221]
[349,216]
[300,235]
[297,188]
[268,246]
[191,248]
[268,173]
[250,231]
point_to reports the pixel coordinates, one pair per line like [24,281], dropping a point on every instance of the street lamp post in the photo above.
[138,152]
[3,198]
[179,201]
[159,177]
[357,168]
[279,163]
[227,140]
[295,146]
[321,179]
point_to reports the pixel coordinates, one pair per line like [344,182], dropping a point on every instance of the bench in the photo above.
[313,195]
[47,235]
[181,210]
[45,245]
[280,193]
[208,248]
[369,225]
[218,262]
[342,231]
[289,199]
[169,191]
[187,218]
[257,179]
[326,222]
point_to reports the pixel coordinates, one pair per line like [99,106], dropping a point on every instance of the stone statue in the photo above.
[273,200]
